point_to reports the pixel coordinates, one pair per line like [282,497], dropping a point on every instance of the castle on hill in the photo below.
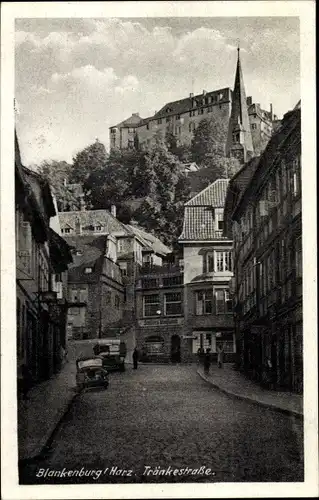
[249,126]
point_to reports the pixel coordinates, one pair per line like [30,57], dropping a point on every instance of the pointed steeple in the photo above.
[239,140]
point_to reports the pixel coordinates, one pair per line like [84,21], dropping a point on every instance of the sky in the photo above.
[75,78]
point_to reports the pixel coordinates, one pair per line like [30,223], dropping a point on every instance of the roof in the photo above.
[91,218]
[285,142]
[199,216]
[93,249]
[184,105]
[132,121]
[149,240]
[212,196]
[199,224]
[236,187]
[60,251]
[239,112]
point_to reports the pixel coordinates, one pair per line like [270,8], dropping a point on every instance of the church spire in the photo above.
[239,140]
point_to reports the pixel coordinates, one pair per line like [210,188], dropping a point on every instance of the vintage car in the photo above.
[113,353]
[91,373]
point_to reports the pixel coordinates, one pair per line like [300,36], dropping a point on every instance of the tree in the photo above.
[209,139]
[58,174]
[91,159]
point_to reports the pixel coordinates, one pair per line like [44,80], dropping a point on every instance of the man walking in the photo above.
[220,356]
[135,358]
[207,362]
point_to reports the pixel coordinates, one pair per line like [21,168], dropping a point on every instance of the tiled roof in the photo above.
[213,195]
[149,240]
[91,218]
[184,105]
[199,224]
[92,250]
[199,216]
[132,121]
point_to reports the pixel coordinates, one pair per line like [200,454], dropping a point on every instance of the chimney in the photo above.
[113,210]
[204,92]
[271,112]
[136,114]
[249,101]
[191,95]
[78,226]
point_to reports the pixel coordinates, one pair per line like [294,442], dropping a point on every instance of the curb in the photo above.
[253,401]
[45,448]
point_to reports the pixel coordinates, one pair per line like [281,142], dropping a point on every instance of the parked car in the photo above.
[113,353]
[91,373]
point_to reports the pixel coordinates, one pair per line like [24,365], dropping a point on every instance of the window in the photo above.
[192,113]
[18,327]
[298,253]
[173,281]
[151,305]
[88,270]
[253,126]
[120,245]
[204,302]
[130,143]
[108,297]
[168,119]
[201,111]
[154,345]
[123,268]
[219,261]
[223,302]
[67,230]
[147,126]
[172,304]
[209,109]
[159,121]
[117,302]
[149,283]
[130,130]
[178,117]
[98,228]
[74,311]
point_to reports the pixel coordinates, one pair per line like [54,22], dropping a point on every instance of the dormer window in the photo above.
[98,228]
[67,230]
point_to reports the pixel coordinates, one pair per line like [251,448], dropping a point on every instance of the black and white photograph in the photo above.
[163,294]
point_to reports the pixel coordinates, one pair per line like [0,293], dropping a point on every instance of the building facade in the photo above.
[208,270]
[42,259]
[160,313]
[263,215]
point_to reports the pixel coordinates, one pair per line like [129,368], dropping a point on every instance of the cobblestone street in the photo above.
[161,416]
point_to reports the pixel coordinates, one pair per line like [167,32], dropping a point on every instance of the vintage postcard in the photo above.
[158,246]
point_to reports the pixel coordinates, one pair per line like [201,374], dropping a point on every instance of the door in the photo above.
[175,349]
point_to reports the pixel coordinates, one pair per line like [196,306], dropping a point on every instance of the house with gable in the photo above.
[107,258]
[208,270]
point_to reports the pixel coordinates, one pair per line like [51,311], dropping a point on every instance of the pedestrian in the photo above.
[207,361]
[220,356]
[135,358]
[200,352]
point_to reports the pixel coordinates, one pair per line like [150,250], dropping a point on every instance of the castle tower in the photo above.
[239,141]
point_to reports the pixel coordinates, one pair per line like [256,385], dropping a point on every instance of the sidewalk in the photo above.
[237,385]
[47,403]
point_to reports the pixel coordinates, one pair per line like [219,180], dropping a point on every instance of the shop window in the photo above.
[204,302]
[173,304]
[151,304]
[154,345]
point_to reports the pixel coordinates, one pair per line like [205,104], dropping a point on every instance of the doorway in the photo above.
[175,349]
